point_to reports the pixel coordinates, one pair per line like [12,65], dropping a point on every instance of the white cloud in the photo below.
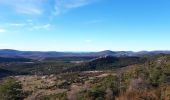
[77,3]
[45,26]
[27,25]
[29,11]
[2,30]
[39,7]
[29,7]
[65,5]
[17,24]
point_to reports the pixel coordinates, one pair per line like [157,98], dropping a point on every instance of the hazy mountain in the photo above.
[40,54]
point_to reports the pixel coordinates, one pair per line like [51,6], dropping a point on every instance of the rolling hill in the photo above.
[40,54]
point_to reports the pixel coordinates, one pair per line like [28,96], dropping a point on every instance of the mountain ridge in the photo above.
[42,54]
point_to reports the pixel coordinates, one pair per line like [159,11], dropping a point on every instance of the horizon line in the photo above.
[86,51]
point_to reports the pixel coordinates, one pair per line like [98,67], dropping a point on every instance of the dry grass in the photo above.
[39,85]
[138,95]
[46,85]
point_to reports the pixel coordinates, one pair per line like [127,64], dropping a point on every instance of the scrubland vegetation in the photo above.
[107,78]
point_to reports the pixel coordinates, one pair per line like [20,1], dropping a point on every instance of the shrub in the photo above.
[10,89]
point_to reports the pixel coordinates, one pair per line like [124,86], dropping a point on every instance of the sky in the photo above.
[85,25]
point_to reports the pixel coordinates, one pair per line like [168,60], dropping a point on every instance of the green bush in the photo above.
[92,94]
[10,89]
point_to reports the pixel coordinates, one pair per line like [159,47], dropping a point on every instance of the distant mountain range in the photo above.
[40,54]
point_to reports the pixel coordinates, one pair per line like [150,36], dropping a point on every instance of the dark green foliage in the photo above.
[99,89]
[155,72]
[63,85]
[140,78]
[39,68]
[63,65]
[110,82]
[92,94]
[10,89]
[159,71]
[17,59]
[107,63]
[4,73]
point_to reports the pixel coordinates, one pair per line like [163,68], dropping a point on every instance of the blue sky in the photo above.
[85,25]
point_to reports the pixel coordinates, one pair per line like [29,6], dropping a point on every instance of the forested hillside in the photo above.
[71,64]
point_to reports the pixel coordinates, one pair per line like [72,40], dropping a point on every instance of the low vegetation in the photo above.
[11,89]
[134,78]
